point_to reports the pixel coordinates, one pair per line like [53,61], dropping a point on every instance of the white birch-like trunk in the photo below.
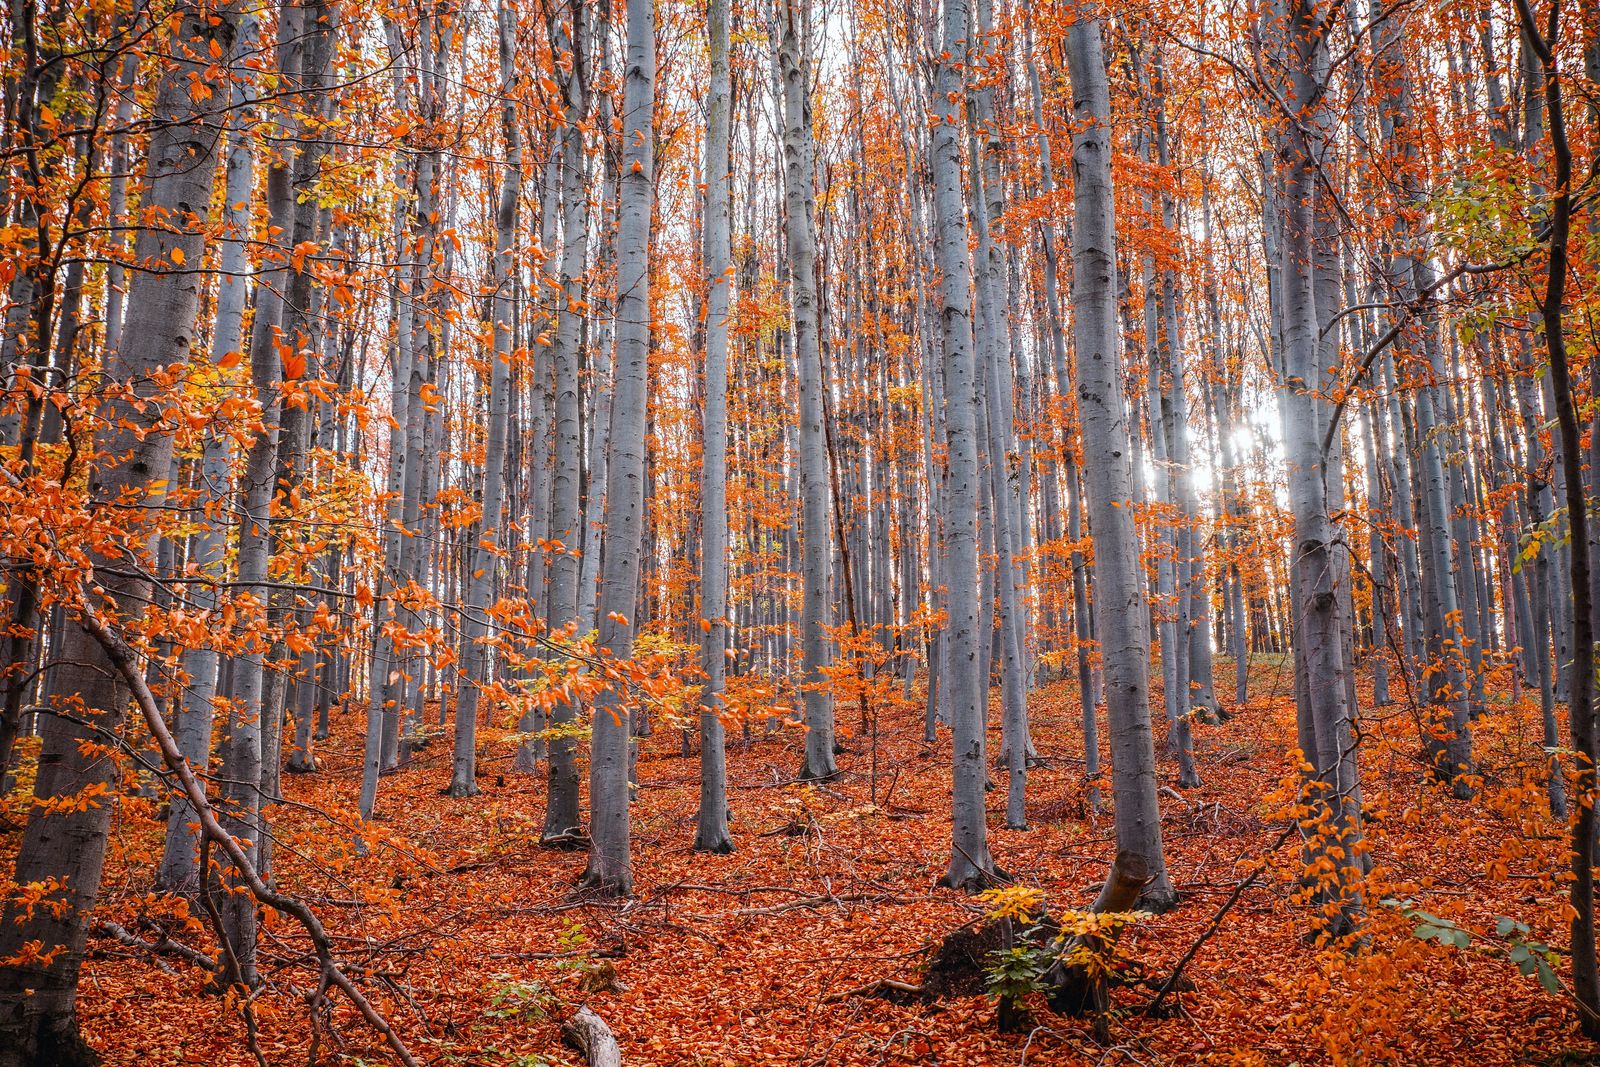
[1108,473]
[711,826]
[610,869]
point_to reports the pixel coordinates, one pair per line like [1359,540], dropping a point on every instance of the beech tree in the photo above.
[610,867]
[437,431]
[64,848]
[1108,475]
[799,166]
[711,828]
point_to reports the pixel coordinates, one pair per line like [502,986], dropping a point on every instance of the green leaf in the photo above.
[1547,977]
[1504,926]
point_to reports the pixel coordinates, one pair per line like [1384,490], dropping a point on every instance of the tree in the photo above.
[711,827]
[1325,711]
[971,867]
[63,849]
[816,613]
[610,869]
[486,553]
[1108,476]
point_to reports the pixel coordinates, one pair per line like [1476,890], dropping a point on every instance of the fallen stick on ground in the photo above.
[586,1032]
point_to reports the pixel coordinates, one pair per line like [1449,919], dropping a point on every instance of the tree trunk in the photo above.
[965,688]
[38,1023]
[610,869]
[800,208]
[1108,474]
[711,825]
[488,549]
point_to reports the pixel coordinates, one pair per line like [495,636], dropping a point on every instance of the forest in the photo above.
[809,532]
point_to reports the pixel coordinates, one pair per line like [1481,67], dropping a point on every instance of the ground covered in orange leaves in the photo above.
[466,934]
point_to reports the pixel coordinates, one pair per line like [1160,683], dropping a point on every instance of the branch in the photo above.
[122,658]
[1216,921]
[1411,307]
[164,947]
[589,1034]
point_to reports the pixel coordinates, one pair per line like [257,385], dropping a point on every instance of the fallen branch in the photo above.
[122,658]
[164,947]
[814,903]
[1216,922]
[586,1032]
[876,988]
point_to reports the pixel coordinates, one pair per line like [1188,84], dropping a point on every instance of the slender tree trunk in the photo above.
[816,547]
[1120,623]
[1324,710]
[562,816]
[487,550]
[963,685]
[711,825]
[610,869]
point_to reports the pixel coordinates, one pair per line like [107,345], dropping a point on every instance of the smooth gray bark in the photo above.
[610,869]
[1319,629]
[816,615]
[562,816]
[995,387]
[711,825]
[178,868]
[963,685]
[485,553]
[1108,474]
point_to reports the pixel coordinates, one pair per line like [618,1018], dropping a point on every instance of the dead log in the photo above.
[588,1034]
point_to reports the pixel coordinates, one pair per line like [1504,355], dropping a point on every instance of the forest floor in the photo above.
[466,934]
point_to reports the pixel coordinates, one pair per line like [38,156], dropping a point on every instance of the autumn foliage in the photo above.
[755,517]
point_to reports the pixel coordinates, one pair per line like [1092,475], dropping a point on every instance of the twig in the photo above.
[1216,920]
[122,658]
[874,987]
[164,947]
